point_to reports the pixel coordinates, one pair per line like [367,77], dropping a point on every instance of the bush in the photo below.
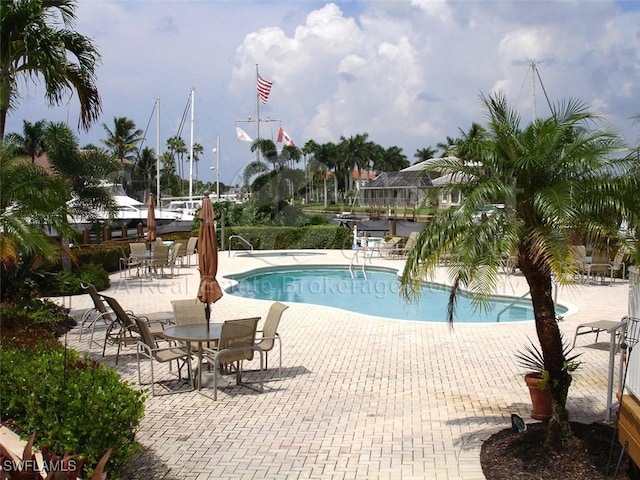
[76,405]
[274,238]
[70,283]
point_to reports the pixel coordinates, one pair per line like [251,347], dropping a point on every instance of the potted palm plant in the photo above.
[537,377]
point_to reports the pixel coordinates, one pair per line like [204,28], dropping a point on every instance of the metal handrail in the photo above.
[511,305]
[245,241]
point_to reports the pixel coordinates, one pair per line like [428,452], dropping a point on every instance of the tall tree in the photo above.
[31,142]
[558,181]
[426,153]
[84,171]
[30,198]
[123,142]
[176,150]
[36,42]
[146,170]
[326,155]
[269,185]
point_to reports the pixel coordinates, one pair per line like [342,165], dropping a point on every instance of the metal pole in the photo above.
[158,150]
[218,167]
[191,150]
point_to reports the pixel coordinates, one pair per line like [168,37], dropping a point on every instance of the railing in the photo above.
[355,257]
[243,240]
[520,298]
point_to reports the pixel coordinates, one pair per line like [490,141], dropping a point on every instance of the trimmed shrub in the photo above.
[76,405]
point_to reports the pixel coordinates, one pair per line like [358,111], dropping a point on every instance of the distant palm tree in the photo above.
[426,153]
[271,180]
[198,150]
[146,170]
[34,45]
[558,181]
[177,149]
[326,155]
[31,142]
[123,142]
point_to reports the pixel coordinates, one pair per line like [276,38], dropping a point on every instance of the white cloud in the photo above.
[409,73]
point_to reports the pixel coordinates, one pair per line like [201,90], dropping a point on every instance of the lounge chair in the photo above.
[390,248]
[411,241]
[237,343]
[124,331]
[99,313]
[147,346]
[594,327]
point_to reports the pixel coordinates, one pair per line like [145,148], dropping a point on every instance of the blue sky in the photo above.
[408,73]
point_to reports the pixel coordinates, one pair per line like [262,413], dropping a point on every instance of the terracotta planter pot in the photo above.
[540,398]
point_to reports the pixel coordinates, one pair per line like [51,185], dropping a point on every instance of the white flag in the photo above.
[243,136]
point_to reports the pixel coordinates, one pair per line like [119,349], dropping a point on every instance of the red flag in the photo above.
[283,137]
[264,89]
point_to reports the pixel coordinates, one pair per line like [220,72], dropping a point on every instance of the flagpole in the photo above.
[257,116]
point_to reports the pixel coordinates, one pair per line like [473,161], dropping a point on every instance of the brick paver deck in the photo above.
[362,397]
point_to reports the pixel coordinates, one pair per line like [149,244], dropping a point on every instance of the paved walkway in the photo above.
[362,397]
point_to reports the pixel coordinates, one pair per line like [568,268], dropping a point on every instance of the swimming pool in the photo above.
[378,294]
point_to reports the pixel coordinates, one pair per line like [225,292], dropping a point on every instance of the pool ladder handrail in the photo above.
[355,257]
[244,240]
[520,298]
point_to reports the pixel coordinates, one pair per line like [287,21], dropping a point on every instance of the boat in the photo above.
[130,212]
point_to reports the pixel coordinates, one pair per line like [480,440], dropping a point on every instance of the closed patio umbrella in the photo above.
[151,219]
[209,291]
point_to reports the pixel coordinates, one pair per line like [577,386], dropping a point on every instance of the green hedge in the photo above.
[282,238]
[73,404]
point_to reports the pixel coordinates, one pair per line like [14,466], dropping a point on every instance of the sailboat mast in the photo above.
[158,150]
[191,149]
[533,82]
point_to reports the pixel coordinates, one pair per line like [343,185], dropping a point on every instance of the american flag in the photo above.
[264,88]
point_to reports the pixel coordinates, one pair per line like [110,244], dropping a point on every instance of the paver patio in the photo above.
[362,396]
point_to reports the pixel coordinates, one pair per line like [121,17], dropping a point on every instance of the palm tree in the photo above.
[31,142]
[30,198]
[198,150]
[269,184]
[356,153]
[145,169]
[177,149]
[326,156]
[426,153]
[392,160]
[34,45]
[84,171]
[558,182]
[123,142]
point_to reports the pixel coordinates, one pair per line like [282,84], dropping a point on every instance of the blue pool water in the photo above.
[378,294]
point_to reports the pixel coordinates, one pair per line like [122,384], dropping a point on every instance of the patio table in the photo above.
[198,333]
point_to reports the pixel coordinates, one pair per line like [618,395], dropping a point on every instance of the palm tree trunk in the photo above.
[549,336]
